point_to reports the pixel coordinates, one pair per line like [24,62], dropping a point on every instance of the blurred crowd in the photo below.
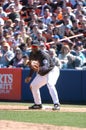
[58,25]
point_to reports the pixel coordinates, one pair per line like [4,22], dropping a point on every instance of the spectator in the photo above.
[54,19]
[75,27]
[17,40]
[13,14]
[16,26]
[78,53]
[7,54]
[67,21]
[7,4]
[34,32]
[68,31]
[79,8]
[24,49]
[47,17]
[44,5]
[70,13]
[65,52]
[53,55]
[48,35]
[2,13]
[57,44]
[41,25]
[43,47]
[8,24]
[58,11]
[18,5]
[28,42]
[40,36]
[73,62]
[43,21]
[17,61]
[57,31]
[79,4]
[25,61]
[59,3]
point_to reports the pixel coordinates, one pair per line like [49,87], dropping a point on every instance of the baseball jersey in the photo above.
[46,63]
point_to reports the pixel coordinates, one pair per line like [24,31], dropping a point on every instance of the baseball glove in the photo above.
[34,65]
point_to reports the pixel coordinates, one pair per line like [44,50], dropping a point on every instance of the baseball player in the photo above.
[47,74]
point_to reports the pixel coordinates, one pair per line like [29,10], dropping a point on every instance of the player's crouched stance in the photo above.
[47,74]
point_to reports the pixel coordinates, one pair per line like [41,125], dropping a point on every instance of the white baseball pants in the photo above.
[50,80]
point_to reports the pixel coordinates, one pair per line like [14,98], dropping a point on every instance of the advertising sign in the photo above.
[10,83]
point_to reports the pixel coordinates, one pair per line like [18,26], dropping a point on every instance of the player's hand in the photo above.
[27,79]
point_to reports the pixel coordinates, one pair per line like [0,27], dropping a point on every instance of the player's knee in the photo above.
[32,87]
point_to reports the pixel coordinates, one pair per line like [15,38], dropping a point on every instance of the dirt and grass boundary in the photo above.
[23,108]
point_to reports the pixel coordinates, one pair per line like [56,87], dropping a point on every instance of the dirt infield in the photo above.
[47,108]
[12,125]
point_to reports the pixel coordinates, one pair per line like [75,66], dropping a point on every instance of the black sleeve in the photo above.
[46,64]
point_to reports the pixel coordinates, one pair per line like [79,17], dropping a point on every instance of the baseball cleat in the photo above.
[56,107]
[36,106]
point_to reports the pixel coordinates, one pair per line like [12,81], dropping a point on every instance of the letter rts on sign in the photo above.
[10,84]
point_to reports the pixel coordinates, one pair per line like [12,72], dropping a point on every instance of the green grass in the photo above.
[53,118]
[77,119]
